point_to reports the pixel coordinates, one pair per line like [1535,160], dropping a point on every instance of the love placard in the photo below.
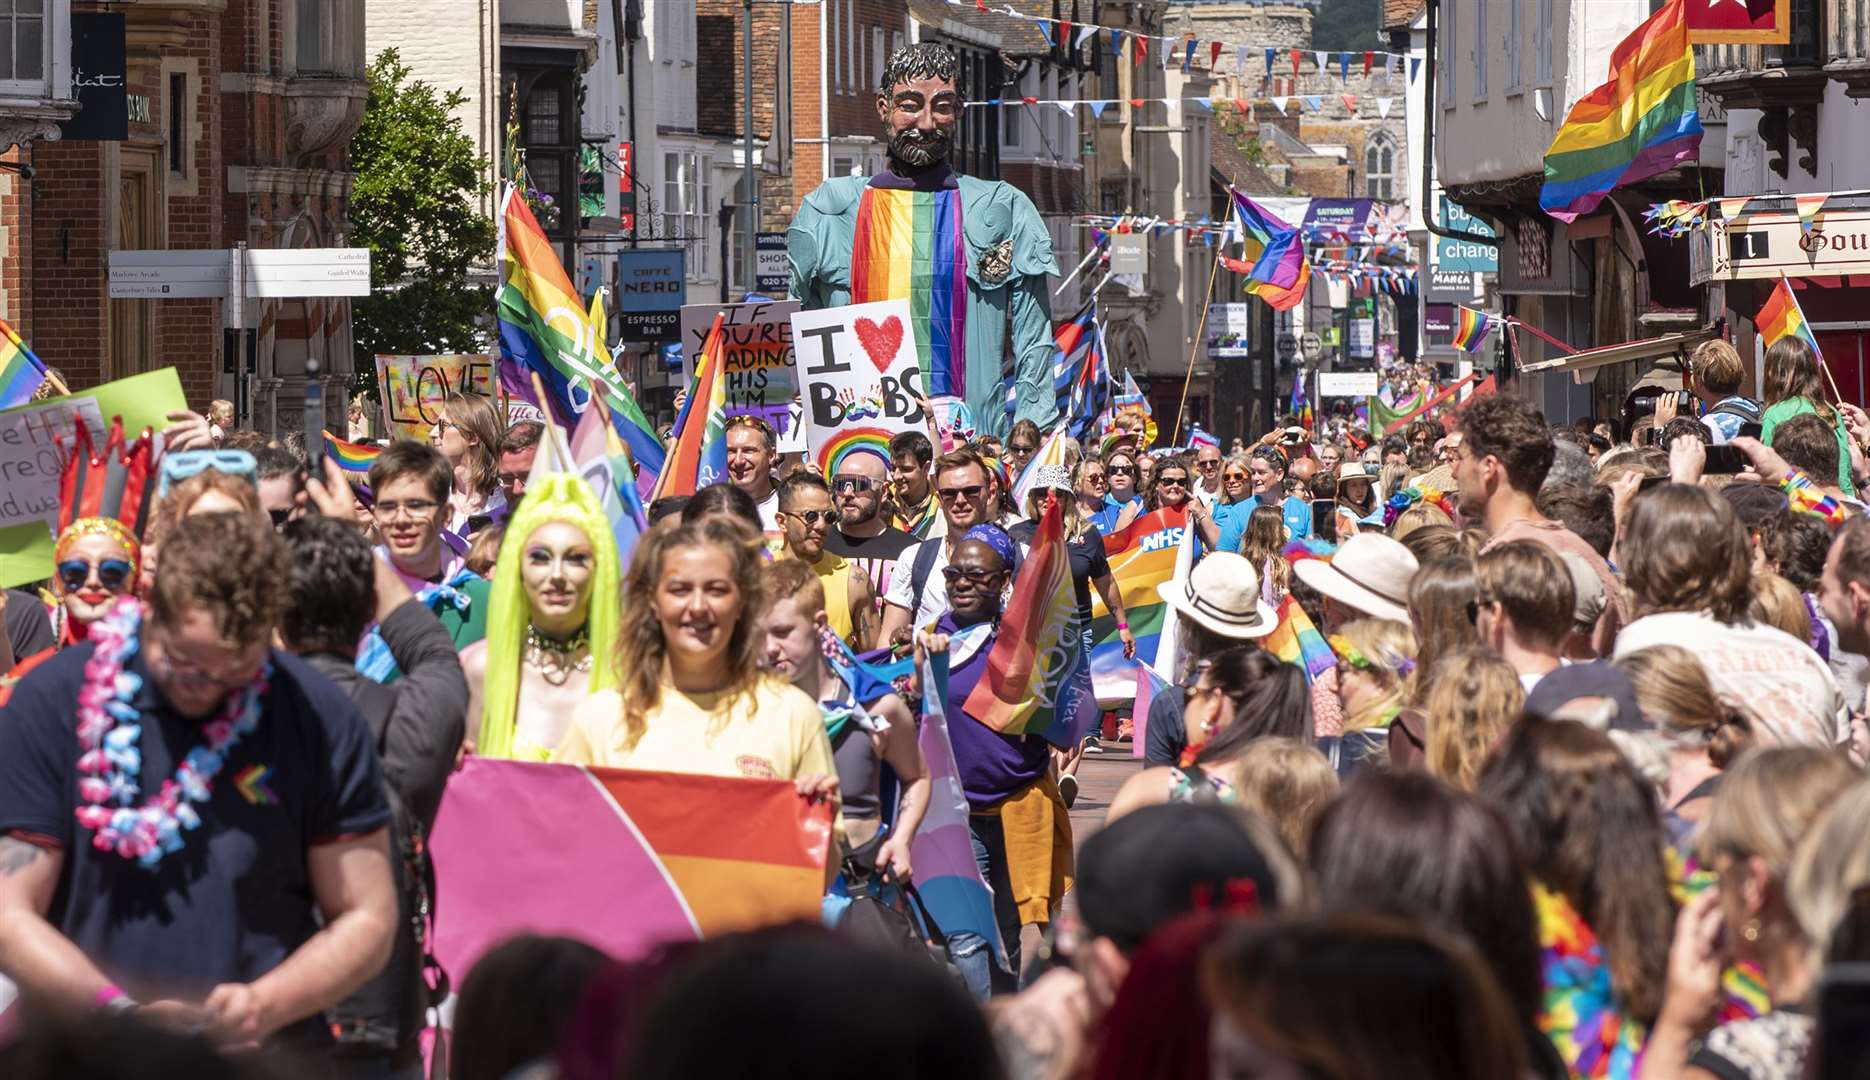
[860,377]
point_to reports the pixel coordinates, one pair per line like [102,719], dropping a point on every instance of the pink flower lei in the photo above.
[109,763]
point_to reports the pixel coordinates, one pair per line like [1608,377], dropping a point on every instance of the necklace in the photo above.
[110,763]
[553,657]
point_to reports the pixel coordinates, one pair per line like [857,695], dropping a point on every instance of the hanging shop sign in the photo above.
[1776,243]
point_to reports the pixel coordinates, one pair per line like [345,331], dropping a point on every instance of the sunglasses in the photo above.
[1234,477]
[1018,449]
[844,485]
[1123,470]
[811,517]
[975,574]
[1171,481]
[111,573]
[972,491]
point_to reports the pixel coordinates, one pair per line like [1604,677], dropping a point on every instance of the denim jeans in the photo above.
[973,954]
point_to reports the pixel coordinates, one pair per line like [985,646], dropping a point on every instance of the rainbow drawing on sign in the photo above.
[853,441]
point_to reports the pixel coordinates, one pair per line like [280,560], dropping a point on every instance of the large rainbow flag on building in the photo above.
[1641,122]
[699,456]
[21,372]
[622,859]
[1141,556]
[1782,317]
[1037,681]
[546,330]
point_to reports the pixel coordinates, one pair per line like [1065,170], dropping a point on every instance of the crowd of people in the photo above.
[1575,789]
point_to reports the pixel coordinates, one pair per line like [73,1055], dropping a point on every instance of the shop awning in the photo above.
[1678,345]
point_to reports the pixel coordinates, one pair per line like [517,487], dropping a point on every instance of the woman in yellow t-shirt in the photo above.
[689,694]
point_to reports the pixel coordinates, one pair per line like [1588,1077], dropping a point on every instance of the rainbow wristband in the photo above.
[1804,496]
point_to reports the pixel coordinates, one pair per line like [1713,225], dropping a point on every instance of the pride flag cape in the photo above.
[351,457]
[21,371]
[908,244]
[1471,328]
[1297,641]
[1781,317]
[546,331]
[942,851]
[1141,556]
[625,860]
[699,457]
[1037,682]
[1641,122]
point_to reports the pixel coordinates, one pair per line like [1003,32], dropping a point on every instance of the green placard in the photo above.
[25,553]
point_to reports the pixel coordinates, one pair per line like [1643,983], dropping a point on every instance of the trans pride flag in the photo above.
[1036,681]
[699,457]
[943,852]
[545,330]
[21,371]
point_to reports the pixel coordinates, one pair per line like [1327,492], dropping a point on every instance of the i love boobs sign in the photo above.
[861,378]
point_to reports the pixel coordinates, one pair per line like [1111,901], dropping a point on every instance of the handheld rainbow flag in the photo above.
[1471,327]
[908,245]
[1301,405]
[545,330]
[351,457]
[1296,640]
[1142,556]
[21,372]
[1641,122]
[1275,247]
[1781,317]
[699,456]
[1038,681]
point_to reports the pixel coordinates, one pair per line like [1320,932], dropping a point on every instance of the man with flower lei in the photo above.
[192,825]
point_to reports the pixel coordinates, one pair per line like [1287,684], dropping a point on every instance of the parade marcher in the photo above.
[468,435]
[253,891]
[1208,466]
[912,502]
[552,622]
[1375,657]
[1219,606]
[1504,454]
[862,532]
[1469,698]
[916,598]
[806,517]
[1125,500]
[1266,469]
[1795,387]
[1701,733]
[865,735]
[1021,444]
[972,256]
[687,691]
[338,585]
[518,446]
[752,453]
[1090,485]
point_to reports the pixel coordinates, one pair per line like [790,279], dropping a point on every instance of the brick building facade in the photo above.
[242,113]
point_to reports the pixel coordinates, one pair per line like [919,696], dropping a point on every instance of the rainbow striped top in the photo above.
[909,245]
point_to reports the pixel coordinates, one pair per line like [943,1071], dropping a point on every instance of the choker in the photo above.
[553,657]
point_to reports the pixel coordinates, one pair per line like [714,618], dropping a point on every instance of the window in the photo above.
[178,123]
[1450,31]
[843,166]
[1542,44]
[853,52]
[876,56]
[328,35]
[23,50]
[688,206]
[1512,47]
[832,10]
[1380,167]
[545,118]
[1480,50]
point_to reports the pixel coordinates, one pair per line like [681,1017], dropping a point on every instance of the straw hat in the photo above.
[1222,593]
[1370,573]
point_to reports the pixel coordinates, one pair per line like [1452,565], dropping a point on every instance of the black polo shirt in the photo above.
[237,899]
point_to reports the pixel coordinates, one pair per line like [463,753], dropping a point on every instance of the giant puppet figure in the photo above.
[968,254]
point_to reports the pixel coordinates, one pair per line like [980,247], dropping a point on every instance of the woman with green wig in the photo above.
[553,608]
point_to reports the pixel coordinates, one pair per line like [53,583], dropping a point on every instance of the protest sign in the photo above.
[757,358]
[30,462]
[861,379]
[415,388]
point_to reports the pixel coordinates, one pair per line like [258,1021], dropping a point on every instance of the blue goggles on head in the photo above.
[177,467]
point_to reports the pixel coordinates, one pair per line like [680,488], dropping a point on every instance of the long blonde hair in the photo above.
[476,415]
[1676,695]
[1073,514]
[641,651]
[1383,648]
[1264,545]
[1473,697]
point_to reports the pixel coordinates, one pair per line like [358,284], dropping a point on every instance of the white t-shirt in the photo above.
[1786,689]
[1205,498]
[769,512]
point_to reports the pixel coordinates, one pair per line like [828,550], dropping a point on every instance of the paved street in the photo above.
[1099,777]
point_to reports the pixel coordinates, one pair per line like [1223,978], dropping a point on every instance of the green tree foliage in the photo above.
[1348,25]
[415,207]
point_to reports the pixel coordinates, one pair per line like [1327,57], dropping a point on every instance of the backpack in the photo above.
[920,571]
[1746,409]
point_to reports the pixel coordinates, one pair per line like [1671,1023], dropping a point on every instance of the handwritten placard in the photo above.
[416,387]
[759,361]
[861,379]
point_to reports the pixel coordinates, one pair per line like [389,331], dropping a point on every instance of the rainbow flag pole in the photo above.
[1471,327]
[21,372]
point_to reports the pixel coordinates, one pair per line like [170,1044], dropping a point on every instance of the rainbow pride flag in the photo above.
[21,372]
[1149,686]
[1297,641]
[1782,317]
[546,330]
[1641,122]
[909,245]
[1471,327]
[351,457]
[1277,251]
[1037,680]
[699,456]
[1141,556]
[1301,405]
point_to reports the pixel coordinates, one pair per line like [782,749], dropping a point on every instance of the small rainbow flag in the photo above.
[1781,317]
[1641,122]
[1471,327]
[1149,686]
[351,457]
[21,372]
[1297,641]
[908,245]
[1301,405]
[699,456]
[1038,680]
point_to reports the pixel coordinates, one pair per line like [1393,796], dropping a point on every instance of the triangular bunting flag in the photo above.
[1344,67]
[1141,46]
[1383,107]
[1732,208]
[980,6]
[1415,67]
[1295,61]
[1097,108]
[1350,103]
[1808,207]
[1064,30]
[1188,54]
[1046,31]
[1269,61]
[1136,103]
[1240,62]
[1314,102]
[1280,104]
[1323,62]
[1085,33]
[1214,55]
[1066,106]
[1369,58]
[1116,42]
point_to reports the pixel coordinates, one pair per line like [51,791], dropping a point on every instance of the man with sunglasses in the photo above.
[281,480]
[858,485]
[1208,464]
[752,451]
[253,894]
[807,517]
[915,597]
